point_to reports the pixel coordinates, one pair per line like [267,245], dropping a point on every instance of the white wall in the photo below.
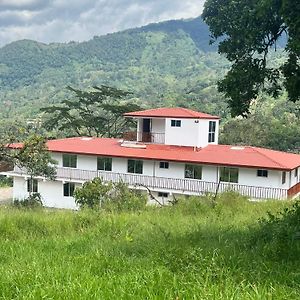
[20,188]
[193,132]
[186,135]
[176,170]
[247,176]
[295,179]
[204,130]
[87,162]
[51,193]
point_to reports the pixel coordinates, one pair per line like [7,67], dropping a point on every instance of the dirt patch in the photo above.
[5,194]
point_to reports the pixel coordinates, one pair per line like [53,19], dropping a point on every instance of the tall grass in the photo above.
[194,250]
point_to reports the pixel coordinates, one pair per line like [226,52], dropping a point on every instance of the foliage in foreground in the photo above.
[34,200]
[96,194]
[280,233]
[193,250]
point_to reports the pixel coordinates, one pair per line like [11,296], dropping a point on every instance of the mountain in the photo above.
[162,64]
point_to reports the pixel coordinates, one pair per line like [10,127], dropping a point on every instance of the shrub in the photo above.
[279,233]
[124,199]
[109,196]
[93,193]
[5,181]
[32,201]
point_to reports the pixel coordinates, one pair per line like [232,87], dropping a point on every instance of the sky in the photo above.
[78,20]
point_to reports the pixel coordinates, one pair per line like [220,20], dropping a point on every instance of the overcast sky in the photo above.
[78,20]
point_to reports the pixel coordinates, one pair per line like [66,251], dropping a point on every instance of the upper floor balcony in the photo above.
[145,137]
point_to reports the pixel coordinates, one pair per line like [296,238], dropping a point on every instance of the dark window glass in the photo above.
[69,188]
[193,171]
[229,174]
[164,165]
[283,179]
[69,161]
[135,166]
[104,163]
[262,173]
[175,123]
[163,195]
[212,132]
[296,172]
[32,186]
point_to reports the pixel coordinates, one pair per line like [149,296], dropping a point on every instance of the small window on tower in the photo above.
[212,132]
[175,123]
[283,178]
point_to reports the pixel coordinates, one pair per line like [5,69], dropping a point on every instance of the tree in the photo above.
[95,113]
[34,156]
[247,30]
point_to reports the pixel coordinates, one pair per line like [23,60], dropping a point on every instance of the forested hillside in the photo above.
[164,64]
[158,63]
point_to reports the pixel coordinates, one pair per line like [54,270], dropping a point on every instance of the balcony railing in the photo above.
[145,137]
[175,185]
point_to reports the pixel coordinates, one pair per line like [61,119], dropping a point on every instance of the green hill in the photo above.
[163,64]
[160,63]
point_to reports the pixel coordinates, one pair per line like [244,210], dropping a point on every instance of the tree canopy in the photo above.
[247,30]
[93,113]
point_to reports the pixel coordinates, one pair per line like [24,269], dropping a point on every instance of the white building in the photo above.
[174,151]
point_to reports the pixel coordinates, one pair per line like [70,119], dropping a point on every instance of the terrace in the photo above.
[171,185]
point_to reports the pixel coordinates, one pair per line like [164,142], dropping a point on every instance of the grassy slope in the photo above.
[183,252]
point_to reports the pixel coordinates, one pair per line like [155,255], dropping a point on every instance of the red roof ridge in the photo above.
[169,112]
[257,149]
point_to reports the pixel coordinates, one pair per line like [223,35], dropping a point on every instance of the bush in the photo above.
[6,181]
[109,196]
[93,193]
[280,233]
[124,199]
[32,201]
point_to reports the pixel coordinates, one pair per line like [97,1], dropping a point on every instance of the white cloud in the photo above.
[63,20]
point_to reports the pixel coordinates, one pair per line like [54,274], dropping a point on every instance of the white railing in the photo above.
[187,186]
[145,137]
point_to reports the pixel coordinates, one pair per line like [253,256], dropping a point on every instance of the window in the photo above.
[296,172]
[262,173]
[212,132]
[104,163]
[32,186]
[135,166]
[69,188]
[229,174]
[164,165]
[283,178]
[175,123]
[163,195]
[193,171]
[69,161]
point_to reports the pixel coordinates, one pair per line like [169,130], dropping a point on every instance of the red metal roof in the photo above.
[249,157]
[175,112]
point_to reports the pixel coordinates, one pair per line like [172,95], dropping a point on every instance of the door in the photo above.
[146,130]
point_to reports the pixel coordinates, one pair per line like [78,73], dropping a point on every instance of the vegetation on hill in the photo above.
[164,64]
[188,251]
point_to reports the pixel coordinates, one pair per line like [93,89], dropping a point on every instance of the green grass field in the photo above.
[189,251]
